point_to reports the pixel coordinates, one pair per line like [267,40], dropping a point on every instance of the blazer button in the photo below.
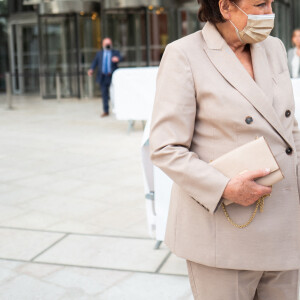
[289,151]
[249,120]
[287,113]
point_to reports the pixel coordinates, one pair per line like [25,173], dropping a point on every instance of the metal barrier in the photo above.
[90,87]
[8,91]
[58,88]
[57,85]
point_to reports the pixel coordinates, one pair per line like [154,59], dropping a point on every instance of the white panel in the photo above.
[133,92]
[162,187]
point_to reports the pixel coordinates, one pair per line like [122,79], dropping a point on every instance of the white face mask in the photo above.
[258,28]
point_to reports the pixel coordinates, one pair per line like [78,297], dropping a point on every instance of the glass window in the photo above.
[296,17]
[3,7]
[89,43]
[141,34]
[59,55]
[3,53]
[159,37]
[25,57]
[30,58]
[14,6]
[188,22]
[128,31]
[283,21]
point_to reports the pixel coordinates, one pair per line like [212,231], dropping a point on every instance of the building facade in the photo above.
[40,39]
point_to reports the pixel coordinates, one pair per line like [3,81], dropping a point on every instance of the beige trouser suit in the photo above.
[241,284]
[206,105]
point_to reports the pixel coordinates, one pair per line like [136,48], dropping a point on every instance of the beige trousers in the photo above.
[210,283]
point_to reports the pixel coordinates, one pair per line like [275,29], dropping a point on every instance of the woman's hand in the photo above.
[243,190]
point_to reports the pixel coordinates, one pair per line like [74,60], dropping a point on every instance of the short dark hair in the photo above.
[210,12]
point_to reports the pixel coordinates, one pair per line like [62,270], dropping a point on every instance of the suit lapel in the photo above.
[262,72]
[258,93]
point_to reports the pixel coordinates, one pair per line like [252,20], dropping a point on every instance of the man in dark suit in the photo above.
[107,62]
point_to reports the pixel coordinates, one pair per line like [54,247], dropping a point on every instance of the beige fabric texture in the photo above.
[242,284]
[249,157]
[203,96]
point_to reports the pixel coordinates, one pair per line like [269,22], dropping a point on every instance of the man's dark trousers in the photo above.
[104,85]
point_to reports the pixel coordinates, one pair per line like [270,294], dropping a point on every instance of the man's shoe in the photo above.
[105,114]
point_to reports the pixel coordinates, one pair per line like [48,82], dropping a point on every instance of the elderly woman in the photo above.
[294,55]
[218,89]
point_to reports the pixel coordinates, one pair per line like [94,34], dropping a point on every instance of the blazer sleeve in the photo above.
[118,54]
[172,128]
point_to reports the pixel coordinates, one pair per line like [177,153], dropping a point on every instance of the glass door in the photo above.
[89,45]
[24,58]
[159,34]
[30,59]
[188,22]
[3,53]
[141,34]
[283,22]
[59,55]
[128,31]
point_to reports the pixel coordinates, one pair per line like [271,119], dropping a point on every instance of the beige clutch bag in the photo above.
[252,156]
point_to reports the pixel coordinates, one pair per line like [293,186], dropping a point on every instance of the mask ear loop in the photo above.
[236,29]
[240,8]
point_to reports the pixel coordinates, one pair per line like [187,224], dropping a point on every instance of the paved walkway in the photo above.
[72,211]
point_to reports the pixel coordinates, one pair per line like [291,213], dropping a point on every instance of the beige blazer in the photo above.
[207,104]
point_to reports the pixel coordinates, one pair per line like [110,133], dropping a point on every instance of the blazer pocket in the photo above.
[283,97]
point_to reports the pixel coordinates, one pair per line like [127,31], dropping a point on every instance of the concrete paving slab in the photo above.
[8,212]
[7,174]
[19,281]
[38,271]
[66,206]
[138,229]
[66,170]
[74,226]
[17,195]
[37,182]
[106,252]
[5,187]
[24,244]
[24,287]
[149,287]
[88,281]
[174,265]
[93,190]
[6,274]
[31,220]
[119,218]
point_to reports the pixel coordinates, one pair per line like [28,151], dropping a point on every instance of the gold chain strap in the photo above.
[259,204]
